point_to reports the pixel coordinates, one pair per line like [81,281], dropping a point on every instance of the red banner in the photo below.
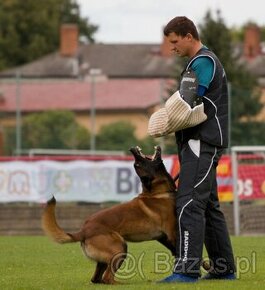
[251,178]
[251,183]
[224,179]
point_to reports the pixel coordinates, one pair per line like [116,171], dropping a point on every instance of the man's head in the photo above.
[183,36]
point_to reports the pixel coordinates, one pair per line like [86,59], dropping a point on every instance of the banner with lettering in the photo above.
[90,181]
[108,180]
[250,183]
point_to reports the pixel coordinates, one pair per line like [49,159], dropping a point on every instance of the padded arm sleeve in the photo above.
[175,116]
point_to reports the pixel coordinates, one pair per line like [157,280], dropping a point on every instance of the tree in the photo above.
[245,95]
[70,13]
[216,36]
[30,29]
[54,130]
[147,144]
[117,136]
[120,136]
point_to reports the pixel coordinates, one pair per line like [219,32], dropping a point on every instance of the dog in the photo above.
[149,216]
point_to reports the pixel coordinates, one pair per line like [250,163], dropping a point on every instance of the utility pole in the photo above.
[93,73]
[18,114]
[162,103]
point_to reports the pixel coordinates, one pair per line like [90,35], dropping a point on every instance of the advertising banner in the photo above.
[82,180]
[108,180]
[251,183]
[251,180]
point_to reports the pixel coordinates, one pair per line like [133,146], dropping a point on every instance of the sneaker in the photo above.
[176,278]
[210,276]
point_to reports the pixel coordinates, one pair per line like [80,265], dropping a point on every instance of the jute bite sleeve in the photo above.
[176,115]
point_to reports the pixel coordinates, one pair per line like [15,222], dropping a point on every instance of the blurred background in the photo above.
[79,81]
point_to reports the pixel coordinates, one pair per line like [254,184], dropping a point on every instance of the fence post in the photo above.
[235,191]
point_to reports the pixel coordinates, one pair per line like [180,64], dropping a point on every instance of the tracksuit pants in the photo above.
[200,220]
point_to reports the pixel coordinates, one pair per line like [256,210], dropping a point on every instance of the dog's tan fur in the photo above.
[149,216]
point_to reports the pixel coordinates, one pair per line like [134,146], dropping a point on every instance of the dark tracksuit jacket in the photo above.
[198,211]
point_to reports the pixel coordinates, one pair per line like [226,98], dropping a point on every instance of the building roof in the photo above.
[114,60]
[257,66]
[113,94]
[74,59]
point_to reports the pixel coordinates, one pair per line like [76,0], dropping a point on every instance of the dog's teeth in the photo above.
[138,148]
[157,152]
[154,156]
[140,151]
[142,154]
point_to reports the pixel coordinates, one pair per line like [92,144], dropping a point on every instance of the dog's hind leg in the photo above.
[114,266]
[100,269]
[117,254]
[109,249]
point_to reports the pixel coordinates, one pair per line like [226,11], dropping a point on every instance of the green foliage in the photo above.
[262,30]
[59,130]
[30,29]
[246,133]
[237,34]
[245,102]
[216,36]
[70,13]
[55,130]
[170,146]
[245,97]
[120,136]
[117,136]
[9,140]
[75,137]
[147,144]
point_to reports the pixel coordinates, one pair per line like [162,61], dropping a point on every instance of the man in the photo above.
[198,113]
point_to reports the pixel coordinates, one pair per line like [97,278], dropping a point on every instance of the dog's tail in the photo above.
[52,229]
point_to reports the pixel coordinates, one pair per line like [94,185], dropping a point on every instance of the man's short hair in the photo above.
[181,25]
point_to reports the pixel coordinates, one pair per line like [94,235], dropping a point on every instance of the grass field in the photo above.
[37,263]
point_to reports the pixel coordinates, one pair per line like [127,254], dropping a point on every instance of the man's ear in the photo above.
[147,182]
[189,36]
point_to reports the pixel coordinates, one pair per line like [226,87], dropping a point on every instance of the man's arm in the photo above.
[203,67]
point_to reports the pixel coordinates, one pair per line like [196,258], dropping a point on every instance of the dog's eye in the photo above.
[137,164]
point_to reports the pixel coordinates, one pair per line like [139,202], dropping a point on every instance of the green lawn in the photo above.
[37,263]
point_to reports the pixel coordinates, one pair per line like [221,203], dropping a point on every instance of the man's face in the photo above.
[179,45]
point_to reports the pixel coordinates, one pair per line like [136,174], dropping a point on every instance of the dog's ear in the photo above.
[147,182]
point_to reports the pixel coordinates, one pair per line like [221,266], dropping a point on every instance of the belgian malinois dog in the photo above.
[149,216]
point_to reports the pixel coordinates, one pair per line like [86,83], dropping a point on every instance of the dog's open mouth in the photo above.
[138,151]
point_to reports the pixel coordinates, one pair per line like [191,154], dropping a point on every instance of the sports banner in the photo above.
[251,183]
[90,181]
[108,180]
[251,180]
[224,179]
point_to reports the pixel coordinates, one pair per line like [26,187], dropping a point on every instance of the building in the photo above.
[117,81]
[253,55]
